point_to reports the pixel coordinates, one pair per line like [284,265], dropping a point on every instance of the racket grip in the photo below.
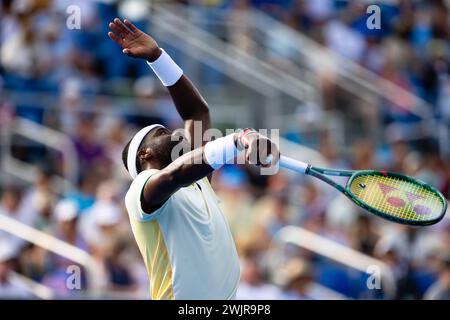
[292,164]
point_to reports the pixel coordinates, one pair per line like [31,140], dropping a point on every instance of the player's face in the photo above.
[167,146]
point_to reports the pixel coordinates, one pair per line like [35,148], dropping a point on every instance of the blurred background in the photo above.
[341,95]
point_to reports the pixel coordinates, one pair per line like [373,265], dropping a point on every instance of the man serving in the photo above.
[179,228]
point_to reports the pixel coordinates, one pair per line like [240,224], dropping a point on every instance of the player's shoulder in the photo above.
[138,184]
[133,196]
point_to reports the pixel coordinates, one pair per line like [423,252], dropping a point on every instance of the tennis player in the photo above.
[179,228]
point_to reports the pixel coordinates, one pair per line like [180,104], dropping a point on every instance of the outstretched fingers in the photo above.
[131,26]
[116,30]
[120,25]
[114,37]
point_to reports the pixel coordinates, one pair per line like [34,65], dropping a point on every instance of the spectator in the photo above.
[298,280]
[9,287]
[11,205]
[42,198]
[440,290]
[253,286]
[66,216]
[91,153]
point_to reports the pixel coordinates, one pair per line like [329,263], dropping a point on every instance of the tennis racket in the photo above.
[391,196]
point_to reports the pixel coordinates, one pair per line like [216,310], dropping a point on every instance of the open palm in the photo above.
[134,42]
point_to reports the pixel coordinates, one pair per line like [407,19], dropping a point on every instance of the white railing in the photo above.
[58,247]
[48,101]
[327,293]
[44,135]
[35,288]
[271,83]
[310,59]
[348,70]
[232,56]
[352,76]
[340,253]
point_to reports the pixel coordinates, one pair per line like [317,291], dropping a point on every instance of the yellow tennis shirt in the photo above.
[186,244]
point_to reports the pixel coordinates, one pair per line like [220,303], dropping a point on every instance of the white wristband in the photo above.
[220,151]
[166,69]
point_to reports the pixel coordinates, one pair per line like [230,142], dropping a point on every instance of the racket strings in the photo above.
[397,197]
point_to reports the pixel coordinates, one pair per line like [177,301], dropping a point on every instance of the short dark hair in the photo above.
[125,157]
[146,142]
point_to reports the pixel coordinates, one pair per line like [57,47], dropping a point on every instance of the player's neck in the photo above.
[150,165]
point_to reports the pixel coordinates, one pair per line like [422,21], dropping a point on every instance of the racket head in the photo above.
[396,197]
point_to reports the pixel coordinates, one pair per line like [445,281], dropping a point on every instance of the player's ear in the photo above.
[145,154]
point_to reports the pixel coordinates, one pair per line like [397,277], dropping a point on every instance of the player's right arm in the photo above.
[202,161]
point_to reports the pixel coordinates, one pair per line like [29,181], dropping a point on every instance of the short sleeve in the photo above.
[133,198]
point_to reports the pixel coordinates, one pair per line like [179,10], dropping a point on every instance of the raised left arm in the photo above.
[192,108]
[190,104]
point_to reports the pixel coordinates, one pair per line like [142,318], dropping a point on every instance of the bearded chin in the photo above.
[174,150]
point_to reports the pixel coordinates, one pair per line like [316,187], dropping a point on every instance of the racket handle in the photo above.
[292,164]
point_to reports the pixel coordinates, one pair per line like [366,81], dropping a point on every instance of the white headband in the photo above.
[134,146]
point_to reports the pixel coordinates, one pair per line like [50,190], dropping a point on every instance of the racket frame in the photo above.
[322,173]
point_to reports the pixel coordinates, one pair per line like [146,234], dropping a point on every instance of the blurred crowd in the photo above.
[409,47]
[82,68]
